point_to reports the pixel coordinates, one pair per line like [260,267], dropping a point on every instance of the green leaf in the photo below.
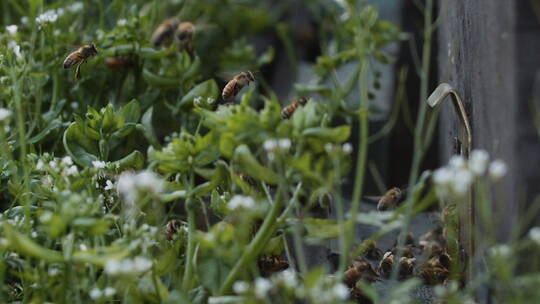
[206,89]
[134,160]
[160,81]
[131,112]
[109,119]
[81,148]
[53,125]
[336,135]
[318,229]
[147,128]
[212,273]
[248,164]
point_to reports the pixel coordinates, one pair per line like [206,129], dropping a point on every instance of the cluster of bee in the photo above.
[173,30]
[427,260]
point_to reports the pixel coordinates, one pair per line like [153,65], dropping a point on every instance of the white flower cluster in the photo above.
[502,251]
[346,147]
[96,293]
[99,164]
[326,290]
[241,201]
[135,266]
[168,138]
[64,165]
[272,145]
[131,184]
[49,16]
[121,22]
[75,7]
[459,175]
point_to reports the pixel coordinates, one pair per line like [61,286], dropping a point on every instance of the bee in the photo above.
[184,36]
[289,110]
[360,269]
[372,252]
[432,237]
[79,57]
[272,264]
[172,227]
[163,35]
[434,275]
[386,264]
[390,199]
[406,267]
[118,63]
[234,86]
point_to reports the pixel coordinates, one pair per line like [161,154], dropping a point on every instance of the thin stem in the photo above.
[255,246]
[363,126]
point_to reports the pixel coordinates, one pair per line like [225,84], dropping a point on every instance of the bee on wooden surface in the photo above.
[272,264]
[183,36]
[390,199]
[385,266]
[172,227]
[289,110]
[234,86]
[118,63]
[163,35]
[79,57]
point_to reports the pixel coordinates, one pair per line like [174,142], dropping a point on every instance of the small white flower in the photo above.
[74,105]
[75,7]
[442,176]
[478,161]
[141,264]
[109,185]
[534,234]
[240,287]
[497,169]
[66,160]
[13,46]
[270,145]
[34,234]
[328,147]
[5,114]
[462,181]
[95,294]
[262,287]
[99,164]
[457,161]
[24,20]
[241,201]
[500,250]
[284,143]
[12,29]
[347,148]
[45,217]
[121,22]
[340,291]
[53,272]
[49,16]
[52,164]
[109,291]
[113,267]
[289,278]
[71,171]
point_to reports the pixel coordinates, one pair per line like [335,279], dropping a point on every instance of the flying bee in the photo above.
[184,36]
[79,57]
[234,86]
[118,63]
[289,110]
[163,35]
[372,252]
[272,264]
[172,227]
[390,199]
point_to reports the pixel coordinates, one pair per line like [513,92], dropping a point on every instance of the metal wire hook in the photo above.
[440,93]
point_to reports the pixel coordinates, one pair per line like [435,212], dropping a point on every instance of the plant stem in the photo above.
[255,246]
[186,282]
[361,158]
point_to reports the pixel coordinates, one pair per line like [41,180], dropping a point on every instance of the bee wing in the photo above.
[226,76]
[372,198]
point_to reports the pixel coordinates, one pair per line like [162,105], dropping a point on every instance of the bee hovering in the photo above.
[79,57]
[390,199]
[236,84]
[289,110]
[183,36]
[163,35]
